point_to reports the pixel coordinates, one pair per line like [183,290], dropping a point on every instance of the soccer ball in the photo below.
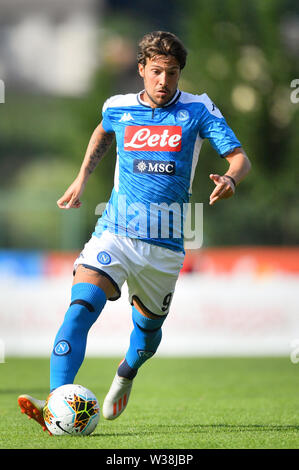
[71,409]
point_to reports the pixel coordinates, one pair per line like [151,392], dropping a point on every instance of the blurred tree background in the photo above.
[243,54]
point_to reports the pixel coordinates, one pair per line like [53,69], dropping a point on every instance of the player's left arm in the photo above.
[239,166]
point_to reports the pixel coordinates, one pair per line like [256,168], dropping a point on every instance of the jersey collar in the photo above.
[173,100]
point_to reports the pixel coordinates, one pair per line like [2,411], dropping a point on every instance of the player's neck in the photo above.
[149,101]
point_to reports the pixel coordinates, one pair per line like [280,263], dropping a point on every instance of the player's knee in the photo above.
[146,322]
[87,302]
[90,296]
[149,330]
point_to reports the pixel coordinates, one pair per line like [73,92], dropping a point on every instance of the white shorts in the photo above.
[150,271]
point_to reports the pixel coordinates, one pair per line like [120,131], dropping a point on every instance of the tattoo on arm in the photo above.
[99,148]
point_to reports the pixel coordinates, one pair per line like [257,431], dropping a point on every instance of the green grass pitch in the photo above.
[184,403]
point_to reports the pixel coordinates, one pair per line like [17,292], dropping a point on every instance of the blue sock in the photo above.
[144,341]
[87,302]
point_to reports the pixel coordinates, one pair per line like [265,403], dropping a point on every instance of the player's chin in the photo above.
[162,98]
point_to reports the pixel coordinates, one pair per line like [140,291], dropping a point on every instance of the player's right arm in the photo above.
[98,145]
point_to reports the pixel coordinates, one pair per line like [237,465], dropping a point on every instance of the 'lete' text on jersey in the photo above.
[157,153]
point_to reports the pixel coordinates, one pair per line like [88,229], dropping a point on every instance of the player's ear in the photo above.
[141,70]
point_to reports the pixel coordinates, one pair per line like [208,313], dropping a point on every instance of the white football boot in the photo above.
[117,398]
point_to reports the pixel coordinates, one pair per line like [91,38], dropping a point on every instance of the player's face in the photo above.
[160,75]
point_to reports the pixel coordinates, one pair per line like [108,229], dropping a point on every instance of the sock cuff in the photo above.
[124,370]
[89,293]
[145,322]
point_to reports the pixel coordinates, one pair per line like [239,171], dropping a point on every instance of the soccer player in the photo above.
[159,132]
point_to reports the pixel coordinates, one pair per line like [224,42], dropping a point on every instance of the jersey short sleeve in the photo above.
[106,123]
[214,127]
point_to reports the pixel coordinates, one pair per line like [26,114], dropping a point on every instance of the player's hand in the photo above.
[71,198]
[224,188]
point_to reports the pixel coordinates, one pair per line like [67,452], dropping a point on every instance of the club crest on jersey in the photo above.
[153,138]
[154,167]
[104,257]
[182,115]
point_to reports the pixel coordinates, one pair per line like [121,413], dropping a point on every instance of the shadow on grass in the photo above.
[201,428]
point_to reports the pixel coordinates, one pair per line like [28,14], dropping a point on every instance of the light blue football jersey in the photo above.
[157,153]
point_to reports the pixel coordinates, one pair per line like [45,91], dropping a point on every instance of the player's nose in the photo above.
[163,79]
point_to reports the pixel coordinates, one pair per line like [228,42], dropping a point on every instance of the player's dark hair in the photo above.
[161,43]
